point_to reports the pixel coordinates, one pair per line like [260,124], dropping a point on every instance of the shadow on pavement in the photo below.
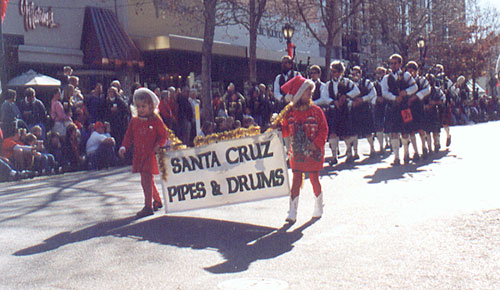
[240,244]
[66,238]
[398,172]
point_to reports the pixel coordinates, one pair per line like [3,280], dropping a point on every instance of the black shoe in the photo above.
[448,141]
[349,159]
[406,160]
[333,161]
[157,205]
[437,147]
[145,211]
[396,162]
[355,157]
[416,157]
[425,153]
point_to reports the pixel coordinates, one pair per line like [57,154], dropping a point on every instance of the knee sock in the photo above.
[355,144]
[369,138]
[429,141]
[447,130]
[422,139]
[395,147]
[348,144]
[334,145]
[406,151]
[436,139]
[380,138]
[413,139]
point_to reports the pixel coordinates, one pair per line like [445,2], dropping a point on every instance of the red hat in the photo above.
[98,125]
[295,87]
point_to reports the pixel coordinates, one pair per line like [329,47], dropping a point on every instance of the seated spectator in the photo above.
[33,110]
[101,148]
[18,155]
[7,173]
[73,159]
[54,147]
[46,162]
[10,114]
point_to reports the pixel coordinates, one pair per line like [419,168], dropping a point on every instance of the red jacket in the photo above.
[303,128]
[145,135]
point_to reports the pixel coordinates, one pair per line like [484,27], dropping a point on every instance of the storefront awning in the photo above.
[186,43]
[105,42]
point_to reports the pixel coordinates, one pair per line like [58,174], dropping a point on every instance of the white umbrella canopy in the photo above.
[32,78]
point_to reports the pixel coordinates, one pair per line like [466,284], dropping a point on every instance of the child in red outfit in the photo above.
[306,125]
[147,133]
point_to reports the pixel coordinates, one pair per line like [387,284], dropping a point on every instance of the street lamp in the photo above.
[288,31]
[422,49]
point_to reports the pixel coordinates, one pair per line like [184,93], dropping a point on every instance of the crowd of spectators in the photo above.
[77,131]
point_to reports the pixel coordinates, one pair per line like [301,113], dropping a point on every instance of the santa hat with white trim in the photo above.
[295,87]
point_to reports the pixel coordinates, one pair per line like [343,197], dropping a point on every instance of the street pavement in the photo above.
[431,225]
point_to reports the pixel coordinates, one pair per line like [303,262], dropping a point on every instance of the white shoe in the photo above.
[292,213]
[318,206]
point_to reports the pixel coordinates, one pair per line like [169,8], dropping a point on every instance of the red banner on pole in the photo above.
[3,8]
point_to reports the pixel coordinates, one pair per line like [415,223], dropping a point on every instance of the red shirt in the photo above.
[8,147]
[145,135]
[306,127]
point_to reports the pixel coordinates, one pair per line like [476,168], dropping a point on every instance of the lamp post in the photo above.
[288,31]
[422,49]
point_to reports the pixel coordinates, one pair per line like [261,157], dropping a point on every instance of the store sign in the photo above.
[34,16]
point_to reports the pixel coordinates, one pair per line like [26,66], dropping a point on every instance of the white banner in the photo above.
[228,172]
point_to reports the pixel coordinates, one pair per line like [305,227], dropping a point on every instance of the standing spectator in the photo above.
[33,110]
[165,109]
[11,115]
[116,113]
[76,95]
[184,117]
[60,116]
[231,89]
[287,73]
[95,104]
[235,107]
[219,106]
[101,148]
[67,72]
[194,102]
[255,103]
[116,84]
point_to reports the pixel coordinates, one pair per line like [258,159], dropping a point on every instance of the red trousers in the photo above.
[149,188]
[297,182]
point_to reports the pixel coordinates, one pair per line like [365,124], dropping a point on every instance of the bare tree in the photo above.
[249,14]
[324,19]
[210,14]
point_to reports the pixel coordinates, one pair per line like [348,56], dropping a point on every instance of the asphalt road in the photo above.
[432,225]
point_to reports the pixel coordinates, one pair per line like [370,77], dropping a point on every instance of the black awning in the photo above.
[105,42]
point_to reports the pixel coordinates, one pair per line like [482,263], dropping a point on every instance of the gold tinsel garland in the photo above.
[226,135]
[176,144]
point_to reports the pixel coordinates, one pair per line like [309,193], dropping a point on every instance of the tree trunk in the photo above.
[206,60]
[328,59]
[252,60]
